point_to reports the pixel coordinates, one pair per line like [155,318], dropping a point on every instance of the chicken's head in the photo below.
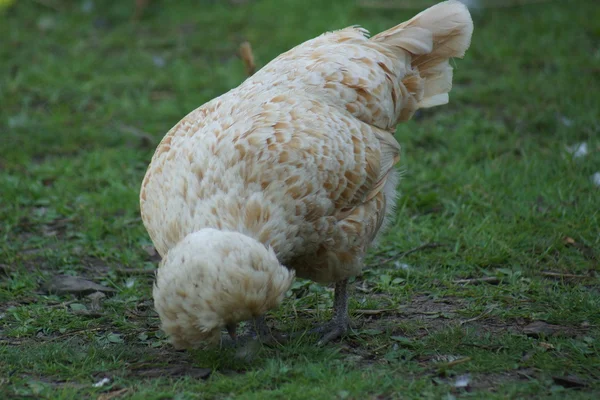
[213,280]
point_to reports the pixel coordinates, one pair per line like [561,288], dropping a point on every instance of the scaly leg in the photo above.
[340,322]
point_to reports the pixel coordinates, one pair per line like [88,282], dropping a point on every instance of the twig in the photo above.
[492,280]
[566,276]
[247,57]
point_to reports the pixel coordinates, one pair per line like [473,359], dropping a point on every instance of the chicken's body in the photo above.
[299,158]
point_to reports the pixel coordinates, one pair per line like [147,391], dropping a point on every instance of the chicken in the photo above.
[290,174]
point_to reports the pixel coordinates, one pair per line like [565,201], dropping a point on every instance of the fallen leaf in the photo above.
[66,284]
[114,338]
[78,307]
[539,328]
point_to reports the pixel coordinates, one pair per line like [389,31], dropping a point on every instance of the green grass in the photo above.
[486,177]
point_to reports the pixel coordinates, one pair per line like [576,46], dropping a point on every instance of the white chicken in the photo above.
[290,174]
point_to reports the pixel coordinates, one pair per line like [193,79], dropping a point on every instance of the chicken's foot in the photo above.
[257,333]
[261,331]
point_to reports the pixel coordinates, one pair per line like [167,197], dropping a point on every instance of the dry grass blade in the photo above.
[483,314]
[454,363]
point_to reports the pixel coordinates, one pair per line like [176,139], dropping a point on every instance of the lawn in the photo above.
[485,286]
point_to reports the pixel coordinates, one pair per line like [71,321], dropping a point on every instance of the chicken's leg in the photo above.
[261,331]
[340,321]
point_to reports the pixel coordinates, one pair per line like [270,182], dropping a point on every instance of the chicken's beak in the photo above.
[231,328]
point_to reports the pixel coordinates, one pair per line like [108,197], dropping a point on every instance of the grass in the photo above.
[503,219]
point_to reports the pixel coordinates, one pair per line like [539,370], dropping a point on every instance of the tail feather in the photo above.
[433,37]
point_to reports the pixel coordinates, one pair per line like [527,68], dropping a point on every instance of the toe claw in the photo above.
[333,334]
